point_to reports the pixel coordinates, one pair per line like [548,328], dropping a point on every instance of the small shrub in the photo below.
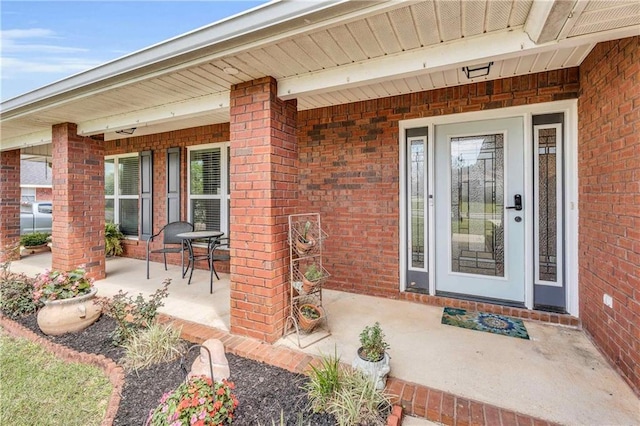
[372,341]
[154,345]
[132,315]
[323,382]
[349,395]
[198,401]
[34,239]
[16,295]
[113,239]
[358,402]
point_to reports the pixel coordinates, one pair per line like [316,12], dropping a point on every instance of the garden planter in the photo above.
[307,323]
[304,248]
[68,315]
[377,370]
[309,286]
[35,249]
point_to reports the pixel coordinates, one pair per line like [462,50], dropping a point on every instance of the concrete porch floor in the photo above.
[558,375]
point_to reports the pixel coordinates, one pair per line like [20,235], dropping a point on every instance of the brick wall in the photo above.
[9,205]
[609,200]
[44,194]
[349,169]
[159,143]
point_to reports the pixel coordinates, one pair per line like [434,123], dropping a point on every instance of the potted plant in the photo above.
[68,299]
[304,241]
[309,315]
[35,242]
[112,239]
[312,277]
[372,358]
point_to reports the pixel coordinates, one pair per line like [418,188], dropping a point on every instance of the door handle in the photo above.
[517,201]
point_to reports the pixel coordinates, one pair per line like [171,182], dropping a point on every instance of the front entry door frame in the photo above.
[569,109]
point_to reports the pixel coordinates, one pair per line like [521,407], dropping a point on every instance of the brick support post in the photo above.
[263,193]
[9,205]
[78,201]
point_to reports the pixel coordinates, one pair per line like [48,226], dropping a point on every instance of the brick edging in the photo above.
[411,398]
[113,371]
[449,409]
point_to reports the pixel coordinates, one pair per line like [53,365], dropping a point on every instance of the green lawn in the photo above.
[39,389]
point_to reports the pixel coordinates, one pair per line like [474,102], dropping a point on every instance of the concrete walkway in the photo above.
[558,375]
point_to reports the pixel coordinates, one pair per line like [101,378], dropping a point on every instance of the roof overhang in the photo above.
[321,53]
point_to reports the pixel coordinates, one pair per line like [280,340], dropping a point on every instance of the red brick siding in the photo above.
[78,211]
[9,205]
[609,201]
[44,194]
[263,193]
[349,169]
[159,143]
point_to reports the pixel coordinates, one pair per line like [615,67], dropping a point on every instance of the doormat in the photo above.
[483,321]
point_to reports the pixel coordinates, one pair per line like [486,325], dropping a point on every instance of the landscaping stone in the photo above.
[219,363]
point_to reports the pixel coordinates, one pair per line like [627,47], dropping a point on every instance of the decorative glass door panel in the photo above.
[479,169]
[548,190]
[417,209]
[477,204]
[417,267]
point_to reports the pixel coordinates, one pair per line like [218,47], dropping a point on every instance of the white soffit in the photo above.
[604,15]
[443,57]
[150,116]
[366,50]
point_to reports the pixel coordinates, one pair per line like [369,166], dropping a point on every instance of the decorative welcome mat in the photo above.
[483,321]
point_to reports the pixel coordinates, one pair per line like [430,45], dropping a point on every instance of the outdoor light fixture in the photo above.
[230,70]
[126,131]
[478,71]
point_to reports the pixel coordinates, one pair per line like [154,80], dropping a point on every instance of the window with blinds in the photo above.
[209,187]
[122,176]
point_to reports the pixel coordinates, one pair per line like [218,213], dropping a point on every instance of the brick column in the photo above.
[78,201]
[9,205]
[263,192]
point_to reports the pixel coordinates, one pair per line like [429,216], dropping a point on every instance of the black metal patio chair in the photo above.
[169,241]
[219,253]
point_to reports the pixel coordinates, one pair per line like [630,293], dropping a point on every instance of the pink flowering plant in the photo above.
[57,285]
[198,402]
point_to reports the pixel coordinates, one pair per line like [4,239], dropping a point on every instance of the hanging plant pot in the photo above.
[309,286]
[313,277]
[304,247]
[309,316]
[68,315]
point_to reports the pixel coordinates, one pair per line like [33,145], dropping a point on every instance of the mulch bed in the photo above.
[265,392]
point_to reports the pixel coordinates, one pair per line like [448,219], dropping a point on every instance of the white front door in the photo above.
[479,226]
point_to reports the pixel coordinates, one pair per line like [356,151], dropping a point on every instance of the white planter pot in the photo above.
[378,370]
[69,315]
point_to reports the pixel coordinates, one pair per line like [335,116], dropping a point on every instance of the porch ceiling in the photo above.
[332,54]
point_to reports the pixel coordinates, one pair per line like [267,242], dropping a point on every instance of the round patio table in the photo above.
[189,238]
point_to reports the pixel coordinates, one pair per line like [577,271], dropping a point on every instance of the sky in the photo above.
[45,41]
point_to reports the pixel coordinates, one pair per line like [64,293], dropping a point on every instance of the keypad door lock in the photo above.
[517,201]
